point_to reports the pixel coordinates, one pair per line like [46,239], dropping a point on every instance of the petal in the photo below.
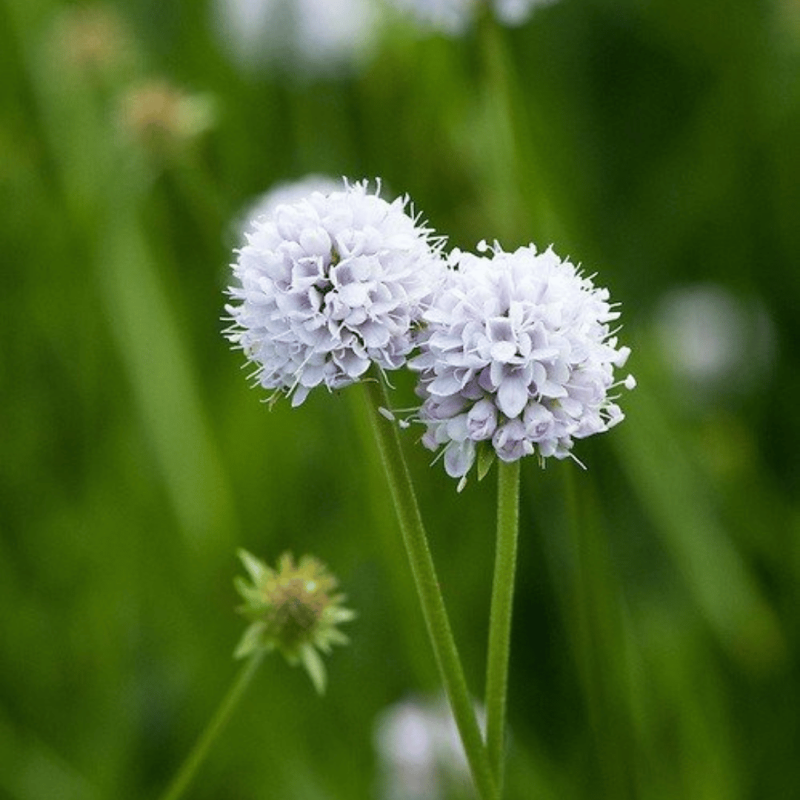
[315,241]
[352,364]
[445,384]
[498,329]
[512,395]
[458,458]
[503,351]
[354,294]
[374,334]
[457,428]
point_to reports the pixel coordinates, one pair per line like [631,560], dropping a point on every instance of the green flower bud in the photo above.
[294,609]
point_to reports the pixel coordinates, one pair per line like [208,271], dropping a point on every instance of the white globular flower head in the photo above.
[330,285]
[517,355]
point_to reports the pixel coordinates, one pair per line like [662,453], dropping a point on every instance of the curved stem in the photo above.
[500,616]
[424,572]
[199,752]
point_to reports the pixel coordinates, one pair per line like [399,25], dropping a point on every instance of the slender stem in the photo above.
[500,616]
[424,572]
[198,754]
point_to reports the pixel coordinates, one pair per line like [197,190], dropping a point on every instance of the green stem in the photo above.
[500,616]
[198,754]
[424,572]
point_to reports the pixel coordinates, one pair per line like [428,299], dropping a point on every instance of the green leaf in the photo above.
[338,614]
[486,457]
[251,640]
[258,570]
[314,667]
[250,594]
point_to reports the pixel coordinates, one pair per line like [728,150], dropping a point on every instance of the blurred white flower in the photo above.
[328,286]
[313,35]
[712,341]
[517,354]
[445,16]
[419,752]
[452,17]
[516,12]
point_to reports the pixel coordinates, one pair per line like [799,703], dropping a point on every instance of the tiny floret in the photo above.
[517,358]
[329,286]
[294,609]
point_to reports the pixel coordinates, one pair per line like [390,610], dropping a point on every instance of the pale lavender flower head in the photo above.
[517,355]
[330,285]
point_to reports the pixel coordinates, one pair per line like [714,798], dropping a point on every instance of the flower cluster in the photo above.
[294,609]
[330,285]
[517,352]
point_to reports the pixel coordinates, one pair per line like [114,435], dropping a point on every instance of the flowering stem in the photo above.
[500,616]
[424,572]
[198,754]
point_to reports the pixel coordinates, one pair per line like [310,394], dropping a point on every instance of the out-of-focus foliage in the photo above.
[655,650]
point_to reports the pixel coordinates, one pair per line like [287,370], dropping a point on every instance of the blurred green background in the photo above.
[656,637]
